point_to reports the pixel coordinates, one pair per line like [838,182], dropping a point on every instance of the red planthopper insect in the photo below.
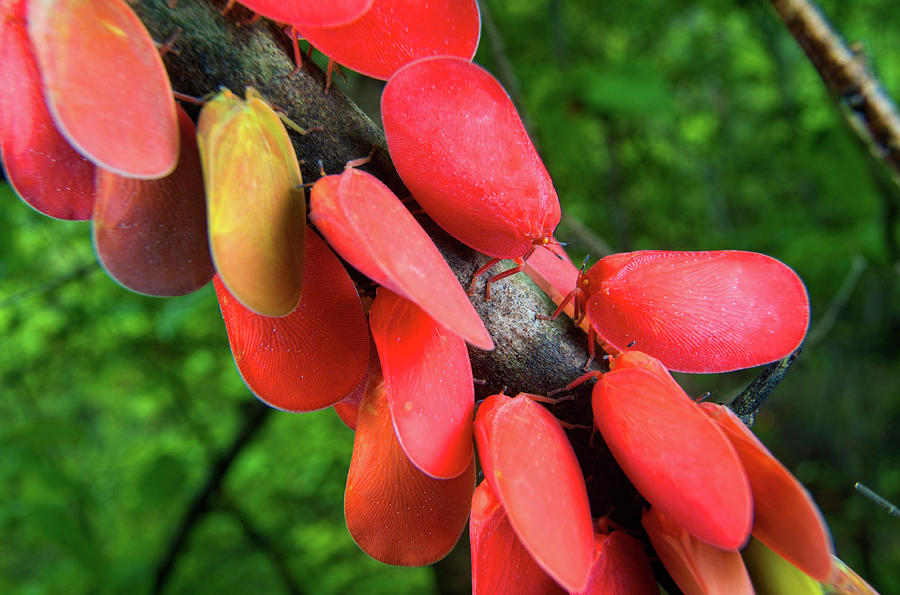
[461,149]
[368,226]
[671,451]
[698,312]
[419,393]
[395,512]
[531,467]
[392,33]
[150,235]
[106,85]
[41,165]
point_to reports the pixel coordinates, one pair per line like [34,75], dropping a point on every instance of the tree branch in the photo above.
[202,503]
[215,50]
[867,108]
[746,404]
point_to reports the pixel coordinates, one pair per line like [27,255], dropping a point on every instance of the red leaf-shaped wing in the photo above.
[150,235]
[532,468]
[461,149]
[699,311]
[696,567]
[313,14]
[672,452]
[429,385]
[395,32]
[369,226]
[620,567]
[785,517]
[43,169]
[106,85]
[311,358]
[500,563]
[394,512]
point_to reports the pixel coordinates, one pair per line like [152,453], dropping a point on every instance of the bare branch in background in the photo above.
[818,332]
[865,105]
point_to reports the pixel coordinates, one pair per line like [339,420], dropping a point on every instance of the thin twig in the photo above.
[874,497]
[839,302]
[866,106]
[746,404]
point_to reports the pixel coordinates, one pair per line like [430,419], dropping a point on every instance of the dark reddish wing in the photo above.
[699,311]
[395,32]
[394,512]
[672,452]
[532,468]
[311,358]
[150,235]
[461,149]
[312,13]
[106,84]
[368,225]
[500,563]
[43,169]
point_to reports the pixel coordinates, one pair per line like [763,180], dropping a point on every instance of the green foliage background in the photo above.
[665,124]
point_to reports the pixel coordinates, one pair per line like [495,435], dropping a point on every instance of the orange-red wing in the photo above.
[676,457]
[150,235]
[532,468]
[43,169]
[459,145]
[395,32]
[311,358]
[696,567]
[500,563]
[620,567]
[429,385]
[106,84]
[699,311]
[785,517]
[394,512]
[311,13]
[370,228]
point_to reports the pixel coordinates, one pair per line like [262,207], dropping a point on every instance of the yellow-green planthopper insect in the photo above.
[255,205]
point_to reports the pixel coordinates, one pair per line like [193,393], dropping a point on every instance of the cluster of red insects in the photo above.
[169,214]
